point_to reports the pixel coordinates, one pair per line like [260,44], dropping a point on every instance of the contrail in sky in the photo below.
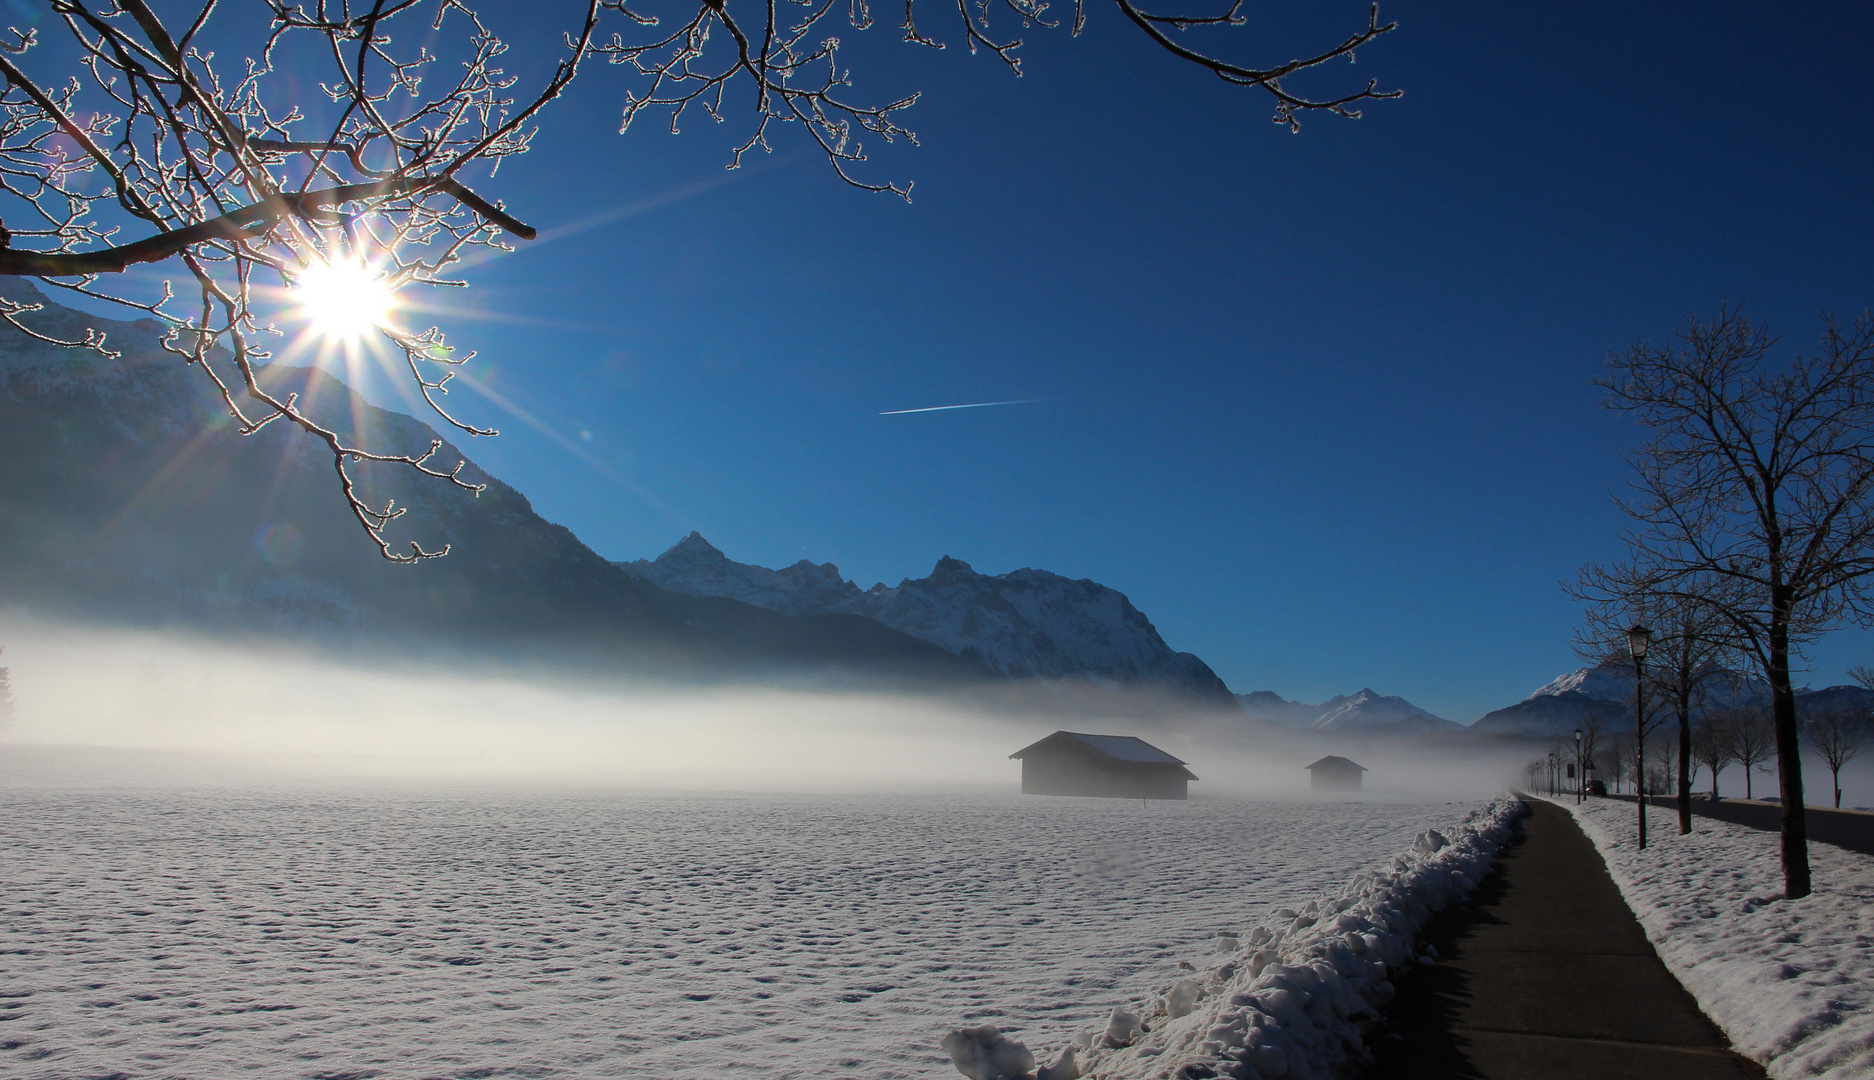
[971,405]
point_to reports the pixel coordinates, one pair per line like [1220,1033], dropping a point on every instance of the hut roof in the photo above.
[1333,761]
[1117,747]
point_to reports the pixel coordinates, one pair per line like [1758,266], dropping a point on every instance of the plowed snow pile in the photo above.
[1290,1000]
[307,933]
[1790,981]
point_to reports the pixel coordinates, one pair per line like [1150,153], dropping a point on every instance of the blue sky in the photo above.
[1318,403]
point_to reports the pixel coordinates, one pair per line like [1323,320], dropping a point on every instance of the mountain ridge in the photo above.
[1024,623]
[1365,712]
[1604,694]
[129,498]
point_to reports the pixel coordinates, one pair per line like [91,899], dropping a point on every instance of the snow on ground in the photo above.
[167,932]
[1292,998]
[1790,981]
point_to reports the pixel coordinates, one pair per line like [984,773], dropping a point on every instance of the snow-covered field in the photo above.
[317,933]
[1791,982]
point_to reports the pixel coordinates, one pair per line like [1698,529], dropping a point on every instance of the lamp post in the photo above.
[1581,774]
[1638,638]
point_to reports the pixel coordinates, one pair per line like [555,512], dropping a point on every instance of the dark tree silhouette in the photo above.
[1691,642]
[1751,741]
[1711,744]
[8,703]
[1619,755]
[1759,476]
[1839,735]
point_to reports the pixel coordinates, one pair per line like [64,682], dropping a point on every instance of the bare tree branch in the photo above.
[1754,497]
[123,144]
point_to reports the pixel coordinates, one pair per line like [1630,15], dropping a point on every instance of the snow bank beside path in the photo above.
[1290,1000]
[1790,981]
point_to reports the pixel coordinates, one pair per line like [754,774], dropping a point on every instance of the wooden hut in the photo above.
[1333,773]
[1109,766]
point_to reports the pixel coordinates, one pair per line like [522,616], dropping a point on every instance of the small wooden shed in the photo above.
[1109,766]
[1333,773]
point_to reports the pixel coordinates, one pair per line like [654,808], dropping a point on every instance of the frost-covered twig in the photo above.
[248,148]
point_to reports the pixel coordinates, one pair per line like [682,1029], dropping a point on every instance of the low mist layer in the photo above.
[178,706]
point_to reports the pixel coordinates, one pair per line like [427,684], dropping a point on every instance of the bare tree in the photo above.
[1619,755]
[1661,756]
[125,125]
[1691,641]
[1759,475]
[1589,747]
[1837,736]
[1603,644]
[1751,741]
[267,148]
[8,704]
[1711,744]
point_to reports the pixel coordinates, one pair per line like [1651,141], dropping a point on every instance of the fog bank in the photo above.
[170,705]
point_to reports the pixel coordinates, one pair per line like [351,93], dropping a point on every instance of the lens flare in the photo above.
[344,299]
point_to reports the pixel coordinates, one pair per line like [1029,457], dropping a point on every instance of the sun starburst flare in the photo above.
[343,300]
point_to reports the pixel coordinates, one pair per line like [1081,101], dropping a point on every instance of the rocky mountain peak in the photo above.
[826,571]
[694,549]
[949,571]
[1027,622]
[1369,710]
[695,567]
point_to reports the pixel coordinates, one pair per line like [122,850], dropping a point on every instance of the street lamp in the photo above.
[1638,638]
[1581,774]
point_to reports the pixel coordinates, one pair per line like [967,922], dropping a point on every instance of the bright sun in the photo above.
[344,300]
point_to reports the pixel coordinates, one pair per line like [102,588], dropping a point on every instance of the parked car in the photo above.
[1597,787]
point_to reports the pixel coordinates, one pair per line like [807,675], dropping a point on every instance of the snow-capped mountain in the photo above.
[1606,681]
[1601,694]
[1605,693]
[1368,711]
[1365,712]
[1025,622]
[694,567]
[1612,680]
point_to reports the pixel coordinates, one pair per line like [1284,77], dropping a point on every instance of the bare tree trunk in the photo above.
[1685,767]
[1796,878]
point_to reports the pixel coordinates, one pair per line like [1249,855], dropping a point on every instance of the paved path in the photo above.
[1851,829]
[1546,974]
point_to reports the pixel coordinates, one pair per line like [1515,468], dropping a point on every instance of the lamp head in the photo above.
[1638,638]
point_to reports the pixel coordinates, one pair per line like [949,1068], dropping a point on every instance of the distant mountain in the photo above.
[1541,716]
[693,567]
[1605,693]
[1601,694]
[1273,708]
[1022,623]
[1606,681]
[1365,712]
[1369,712]
[127,496]
[1851,699]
